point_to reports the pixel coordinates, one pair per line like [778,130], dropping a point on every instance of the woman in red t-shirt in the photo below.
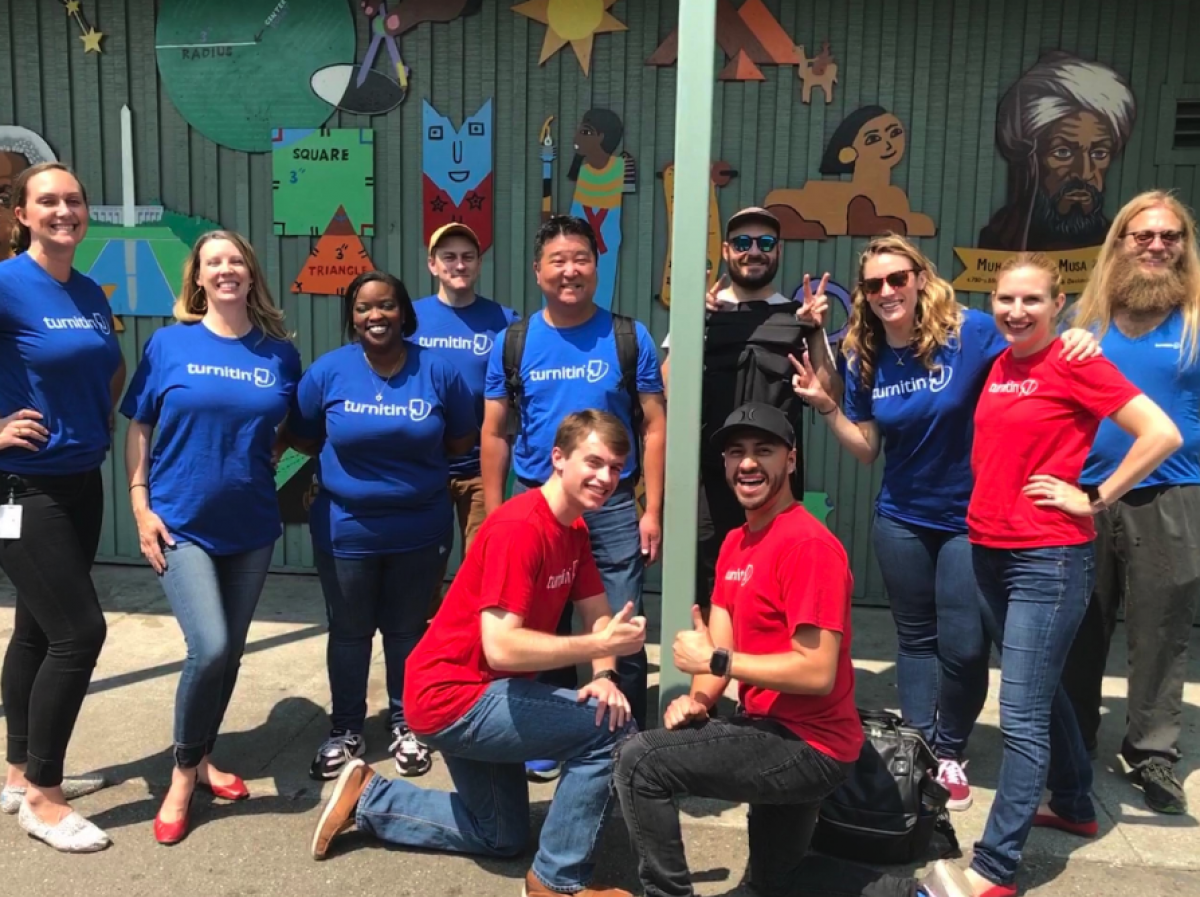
[1030,527]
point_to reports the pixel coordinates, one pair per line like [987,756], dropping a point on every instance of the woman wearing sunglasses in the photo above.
[915,362]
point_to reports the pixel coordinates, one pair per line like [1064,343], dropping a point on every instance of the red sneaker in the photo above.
[952,776]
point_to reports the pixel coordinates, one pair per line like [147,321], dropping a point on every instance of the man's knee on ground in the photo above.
[509,841]
[632,756]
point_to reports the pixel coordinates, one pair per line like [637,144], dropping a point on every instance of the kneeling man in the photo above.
[469,691]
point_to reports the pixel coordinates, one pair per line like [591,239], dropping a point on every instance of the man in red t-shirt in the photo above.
[780,626]
[470,690]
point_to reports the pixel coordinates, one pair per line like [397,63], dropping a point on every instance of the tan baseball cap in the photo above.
[753,213]
[454,229]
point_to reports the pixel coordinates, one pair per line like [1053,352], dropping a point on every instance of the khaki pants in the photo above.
[467,495]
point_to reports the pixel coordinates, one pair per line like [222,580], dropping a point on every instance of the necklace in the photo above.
[899,354]
[388,381]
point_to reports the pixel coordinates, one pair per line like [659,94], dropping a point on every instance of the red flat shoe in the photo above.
[1082,829]
[1000,891]
[236,791]
[168,833]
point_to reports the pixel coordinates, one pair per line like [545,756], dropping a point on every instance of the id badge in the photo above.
[10,521]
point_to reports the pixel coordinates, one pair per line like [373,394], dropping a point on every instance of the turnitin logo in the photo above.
[480,345]
[98,321]
[934,382]
[594,371]
[1014,387]
[740,576]
[260,377]
[562,578]
[416,409]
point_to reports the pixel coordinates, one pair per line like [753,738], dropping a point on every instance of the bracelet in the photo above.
[827,413]
[610,675]
[133,486]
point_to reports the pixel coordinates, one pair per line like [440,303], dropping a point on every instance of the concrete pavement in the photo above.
[277,719]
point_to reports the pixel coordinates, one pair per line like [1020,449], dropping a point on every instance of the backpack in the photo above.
[625,334]
[891,804]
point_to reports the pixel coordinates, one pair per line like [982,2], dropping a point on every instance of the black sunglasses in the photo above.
[896,280]
[743,242]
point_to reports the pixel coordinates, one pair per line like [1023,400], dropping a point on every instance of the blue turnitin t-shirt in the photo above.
[464,336]
[58,356]
[927,424]
[215,402]
[566,370]
[383,468]
[1156,363]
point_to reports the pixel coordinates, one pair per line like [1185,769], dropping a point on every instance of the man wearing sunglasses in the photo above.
[1143,300]
[746,360]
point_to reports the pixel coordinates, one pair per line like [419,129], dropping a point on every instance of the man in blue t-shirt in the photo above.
[462,326]
[1144,297]
[570,363]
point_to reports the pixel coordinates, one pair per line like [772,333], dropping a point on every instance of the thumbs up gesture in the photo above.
[625,634]
[694,648]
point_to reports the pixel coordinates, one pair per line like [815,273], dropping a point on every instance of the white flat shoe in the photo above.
[946,880]
[72,786]
[73,834]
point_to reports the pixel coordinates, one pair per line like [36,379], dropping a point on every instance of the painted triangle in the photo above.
[335,261]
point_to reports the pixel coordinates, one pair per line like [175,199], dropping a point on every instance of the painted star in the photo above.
[91,40]
[574,22]
[475,201]
[437,204]
[72,7]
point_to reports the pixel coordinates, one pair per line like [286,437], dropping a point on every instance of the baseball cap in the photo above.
[753,213]
[757,416]
[454,229]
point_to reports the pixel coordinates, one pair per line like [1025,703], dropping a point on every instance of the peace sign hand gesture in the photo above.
[806,385]
[815,308]
[711,300]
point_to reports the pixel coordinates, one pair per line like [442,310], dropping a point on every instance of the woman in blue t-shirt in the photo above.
[915,362]
[216,386]
[60,372]
[387,415]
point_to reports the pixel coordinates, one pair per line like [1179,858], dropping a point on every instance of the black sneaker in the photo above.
[1163,791]
[339,749]
[412,757]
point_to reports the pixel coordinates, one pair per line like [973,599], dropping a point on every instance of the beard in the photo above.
[745,281]
[1147,292]
[775,483]
[1049,228]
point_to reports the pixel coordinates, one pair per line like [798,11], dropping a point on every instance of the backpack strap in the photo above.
[514,351]
[625,334]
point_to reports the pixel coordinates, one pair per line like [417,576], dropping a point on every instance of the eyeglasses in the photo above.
[1146,237]
[743,242]
[896,280]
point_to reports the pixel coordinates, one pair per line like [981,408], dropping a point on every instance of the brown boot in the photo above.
[534,888]
[338,815]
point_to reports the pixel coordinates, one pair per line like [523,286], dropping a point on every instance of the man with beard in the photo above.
[746,359]
[1060,126]
[1143,300]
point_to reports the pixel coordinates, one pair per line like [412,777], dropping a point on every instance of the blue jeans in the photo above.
[942,653]
[1033,602]
[617,548]
[213,597]
[384,592]
[485,751]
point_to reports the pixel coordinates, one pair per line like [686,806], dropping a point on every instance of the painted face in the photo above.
[456,160]
[455,263]
[881,141]
[1024,309]
[588,141]
[566,271]
[54,211]
[1078,151]
[223,273]
[1154,240]
[892,287]
[590,474]
[757,468]
[11,165]
[378,317]
[754,267]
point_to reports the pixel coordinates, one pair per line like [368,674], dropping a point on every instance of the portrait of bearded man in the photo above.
[1059,127]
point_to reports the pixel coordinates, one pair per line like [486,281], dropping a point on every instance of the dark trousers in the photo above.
[749,761]
[718,515]
[1147,558]
[59,628]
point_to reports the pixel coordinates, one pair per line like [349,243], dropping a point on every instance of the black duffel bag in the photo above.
[891,804]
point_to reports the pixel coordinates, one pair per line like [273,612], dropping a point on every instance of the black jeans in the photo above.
[1147,558]
[749,761]
[59,627]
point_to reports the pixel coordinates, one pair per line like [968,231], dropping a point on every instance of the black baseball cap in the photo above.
[753,213]
[757,416]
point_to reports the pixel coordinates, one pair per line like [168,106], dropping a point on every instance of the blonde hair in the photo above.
[937,317]
[21,238]
[192,303]
[1094,310]
[1033,260]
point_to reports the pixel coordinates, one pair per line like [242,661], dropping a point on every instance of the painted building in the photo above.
[851,118]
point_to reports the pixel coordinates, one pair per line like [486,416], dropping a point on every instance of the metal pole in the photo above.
[693,156]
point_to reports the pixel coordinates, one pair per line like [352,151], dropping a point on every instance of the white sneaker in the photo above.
[945,880]
[952,775]
[412,757]
[73,834]
[72,788]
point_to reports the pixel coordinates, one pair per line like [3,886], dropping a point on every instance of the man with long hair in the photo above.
[1143,302]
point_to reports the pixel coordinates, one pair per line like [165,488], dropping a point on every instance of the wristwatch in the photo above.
[1093,497]
[610,675]
[719,665]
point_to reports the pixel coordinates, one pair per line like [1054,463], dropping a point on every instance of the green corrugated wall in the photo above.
[940,65]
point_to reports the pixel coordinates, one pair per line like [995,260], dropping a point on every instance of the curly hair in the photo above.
[938,315]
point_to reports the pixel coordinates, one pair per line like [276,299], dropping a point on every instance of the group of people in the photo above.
[1034,480]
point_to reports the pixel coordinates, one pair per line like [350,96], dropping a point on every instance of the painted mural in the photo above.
[574,22]
[457,167]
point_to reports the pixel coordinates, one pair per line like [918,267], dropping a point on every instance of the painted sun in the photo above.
[574,22]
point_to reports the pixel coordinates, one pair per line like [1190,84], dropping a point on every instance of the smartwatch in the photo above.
[1093,497]
[610,675]
[719,665]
